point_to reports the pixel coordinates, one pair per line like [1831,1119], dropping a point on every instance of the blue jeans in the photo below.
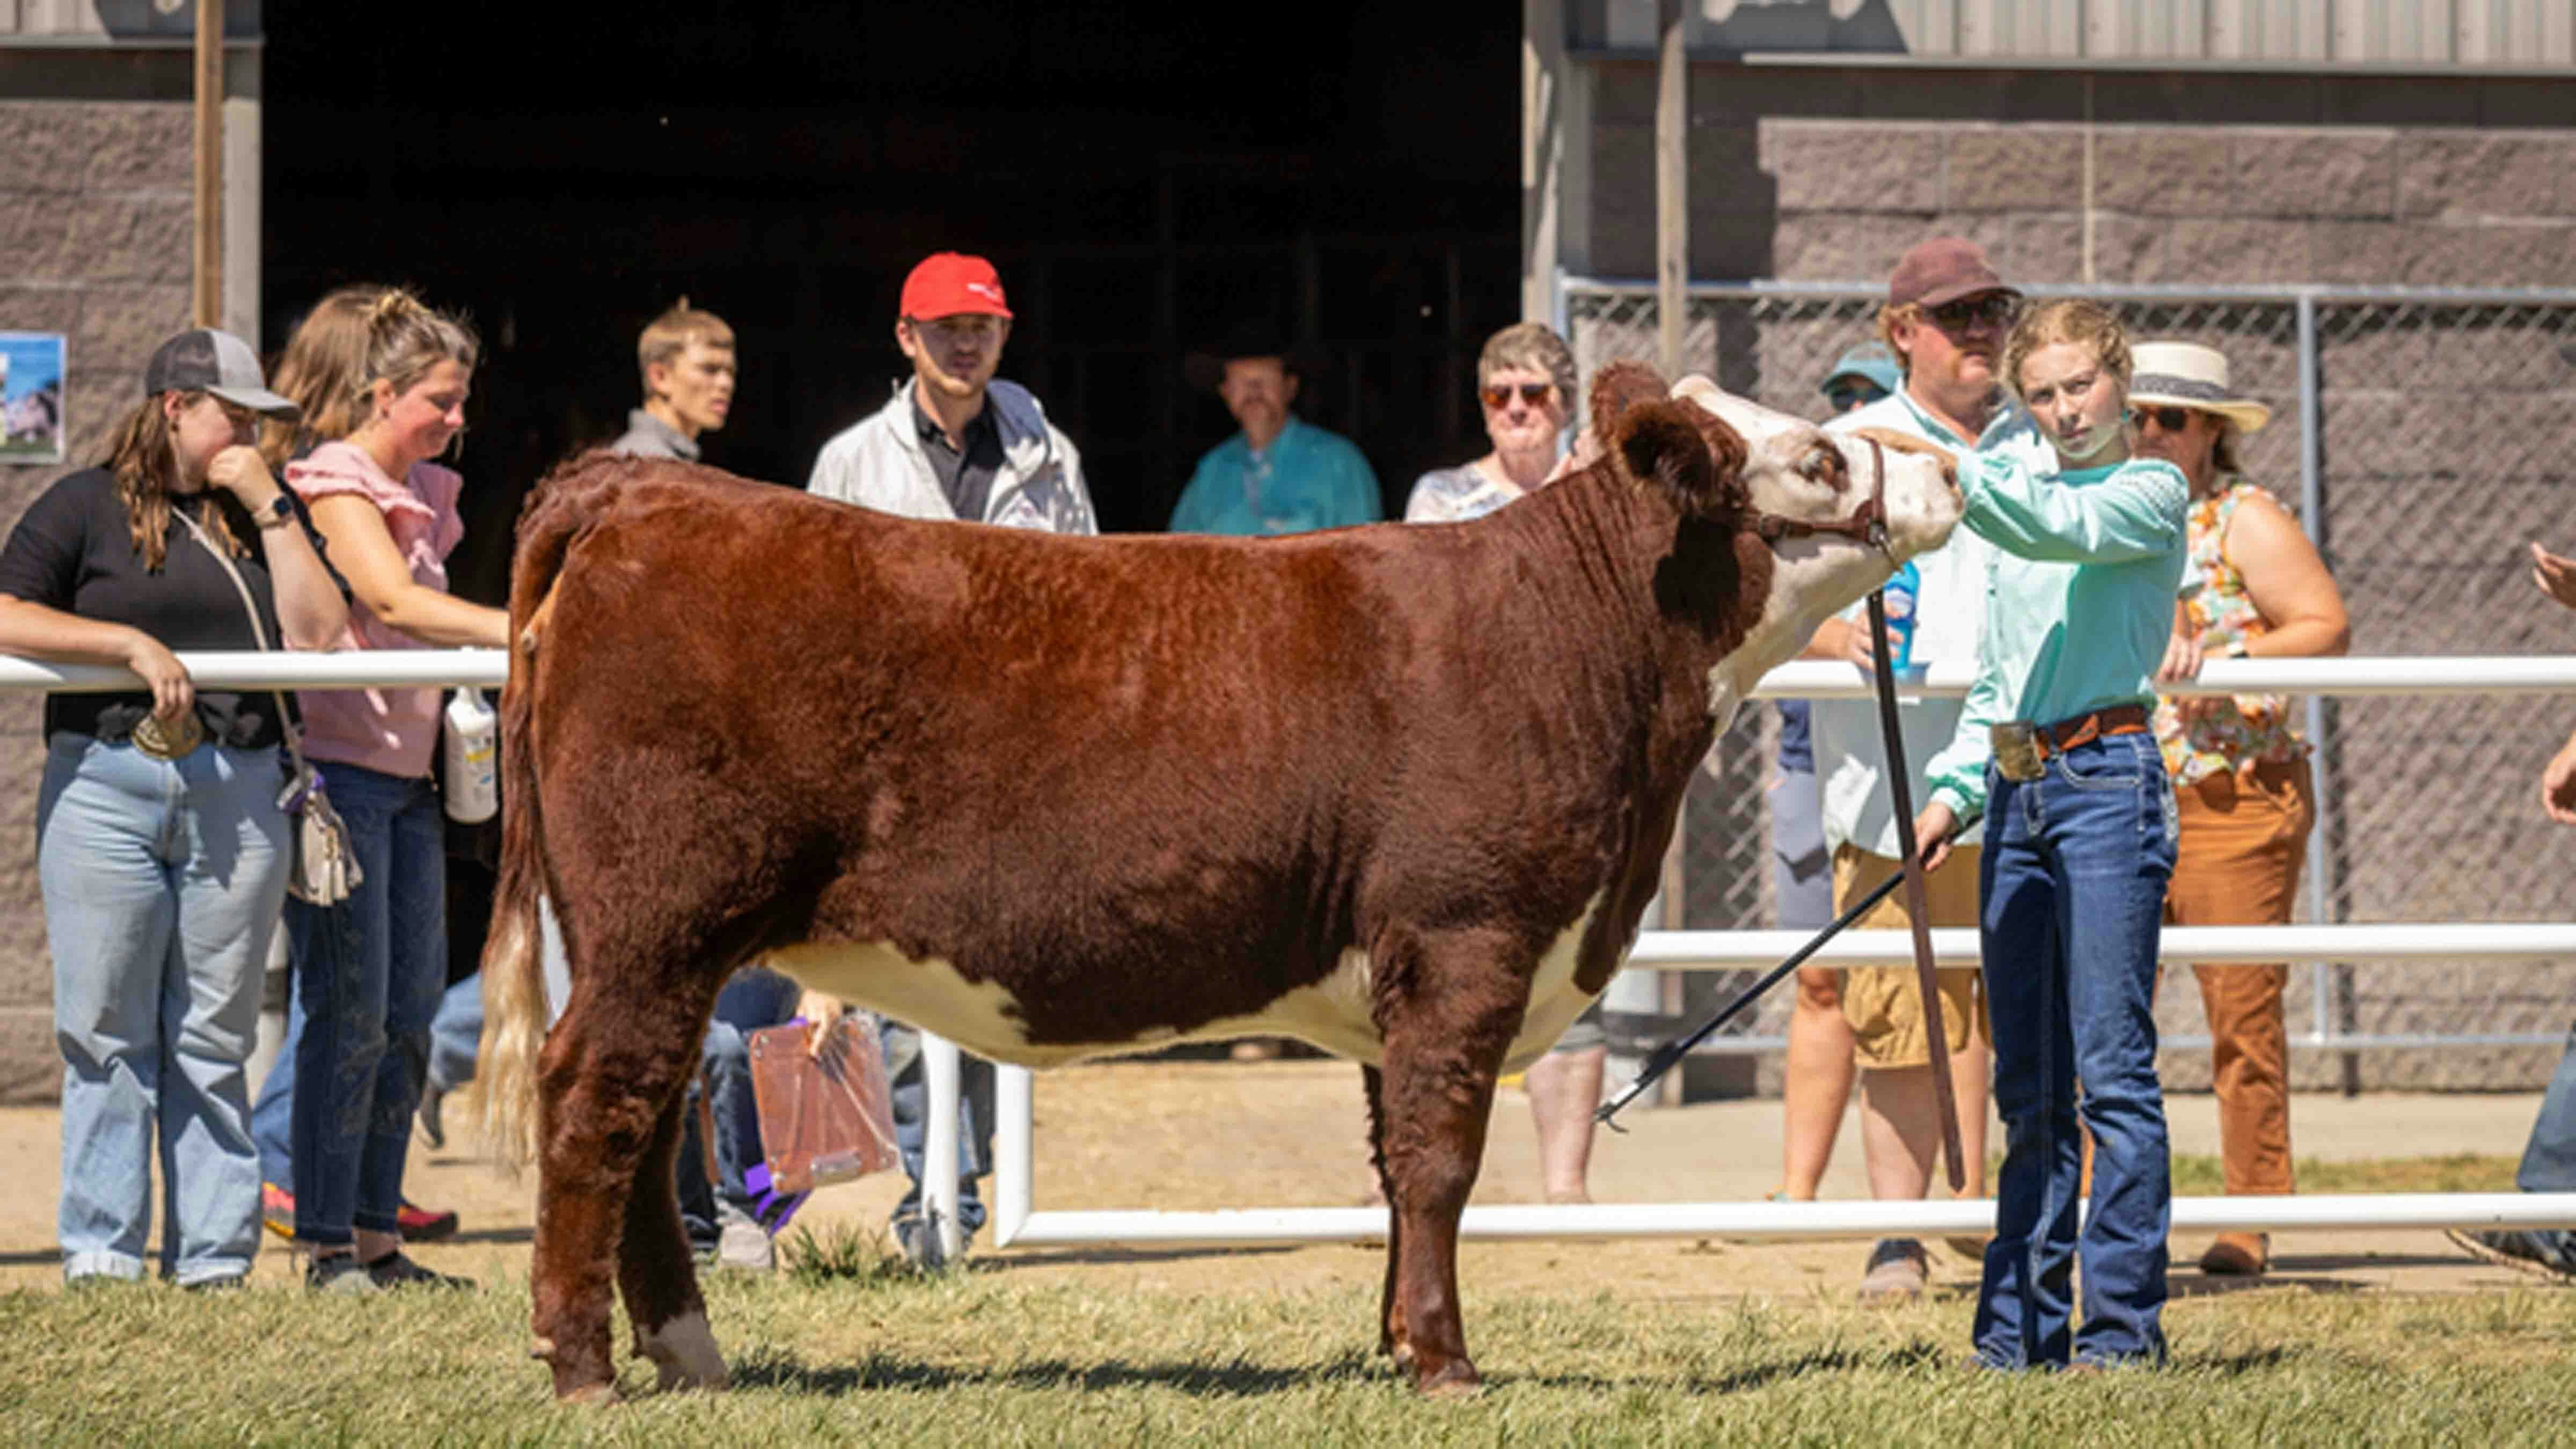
[753,999]
[2549,1158]
[456,1033]
[368,974]
[910,1092]
[161,882]
[2073,886]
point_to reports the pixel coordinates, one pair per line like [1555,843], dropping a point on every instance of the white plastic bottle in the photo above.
[473,739]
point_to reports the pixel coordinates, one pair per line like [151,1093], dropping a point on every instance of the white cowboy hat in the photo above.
[2188,375]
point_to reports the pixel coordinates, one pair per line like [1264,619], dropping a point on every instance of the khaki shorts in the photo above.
[1884,1004]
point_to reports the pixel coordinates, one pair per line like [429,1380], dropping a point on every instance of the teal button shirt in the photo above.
[1307,478]
[2079,602]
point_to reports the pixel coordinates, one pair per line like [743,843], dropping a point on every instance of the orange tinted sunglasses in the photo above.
[1532,393]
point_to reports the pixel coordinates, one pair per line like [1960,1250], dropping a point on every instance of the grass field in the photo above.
[976,1358]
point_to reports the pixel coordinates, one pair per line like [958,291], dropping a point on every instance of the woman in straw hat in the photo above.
[2254,585]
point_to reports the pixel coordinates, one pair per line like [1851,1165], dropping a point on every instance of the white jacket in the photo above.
[878,463]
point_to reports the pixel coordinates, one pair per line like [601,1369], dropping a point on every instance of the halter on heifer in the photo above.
[1866,525]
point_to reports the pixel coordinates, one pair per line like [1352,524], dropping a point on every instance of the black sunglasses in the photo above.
[1995,307]
[2169,419]
[1533,393]
[1843,399]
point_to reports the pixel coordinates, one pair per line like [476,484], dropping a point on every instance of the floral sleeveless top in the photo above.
[2229,731]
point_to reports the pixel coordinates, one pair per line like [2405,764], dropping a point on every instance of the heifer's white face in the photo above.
[1796,470]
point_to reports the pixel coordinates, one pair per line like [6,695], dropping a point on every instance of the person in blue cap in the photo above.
[1861,376]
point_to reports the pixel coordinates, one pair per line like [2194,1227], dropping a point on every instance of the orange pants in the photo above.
[2244,838]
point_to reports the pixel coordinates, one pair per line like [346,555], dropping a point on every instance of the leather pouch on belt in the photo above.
[2016,750]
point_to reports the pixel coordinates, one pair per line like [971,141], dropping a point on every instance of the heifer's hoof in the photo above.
[597,1396]
[684,1355]
[1456,1379]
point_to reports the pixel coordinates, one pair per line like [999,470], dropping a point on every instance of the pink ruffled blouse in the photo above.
[392,731]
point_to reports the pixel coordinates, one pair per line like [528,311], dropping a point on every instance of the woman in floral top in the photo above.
[2253,585]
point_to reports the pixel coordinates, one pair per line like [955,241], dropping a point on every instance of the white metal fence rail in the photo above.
[1016,1219]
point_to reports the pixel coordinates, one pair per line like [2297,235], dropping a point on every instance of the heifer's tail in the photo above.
[514,989]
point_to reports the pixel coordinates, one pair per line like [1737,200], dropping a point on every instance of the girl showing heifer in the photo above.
[383,381]
[161,844]
[2054,745]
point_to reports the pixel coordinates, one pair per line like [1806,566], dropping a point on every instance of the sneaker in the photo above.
[432,1131]
[2518,1249]
[277,1210]
[425,1225]
[339,1274]
[740,1243]
[2238,1255]
[1898,1269]
[397,1270]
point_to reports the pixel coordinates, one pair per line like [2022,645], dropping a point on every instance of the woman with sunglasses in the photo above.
[2053,748]
[2254,586]
[161,844]
[1524,378]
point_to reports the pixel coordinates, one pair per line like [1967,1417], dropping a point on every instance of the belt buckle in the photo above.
[2016,750]
[169,742]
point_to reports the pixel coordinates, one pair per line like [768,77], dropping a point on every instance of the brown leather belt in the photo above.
[2020,749]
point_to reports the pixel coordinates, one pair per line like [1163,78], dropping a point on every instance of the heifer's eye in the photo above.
[1823,464]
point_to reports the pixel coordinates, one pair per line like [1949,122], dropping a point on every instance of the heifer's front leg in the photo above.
[607,1086]
[1445,1042]
[1390,1313]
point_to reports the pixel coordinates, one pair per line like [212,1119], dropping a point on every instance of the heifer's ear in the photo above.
[1689,453]
[1619,386]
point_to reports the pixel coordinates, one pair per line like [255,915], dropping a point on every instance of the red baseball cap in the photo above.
[947,283]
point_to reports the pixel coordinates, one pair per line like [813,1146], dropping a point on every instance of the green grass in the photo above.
[978,1358]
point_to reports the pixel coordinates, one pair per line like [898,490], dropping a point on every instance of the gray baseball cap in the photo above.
[205,360]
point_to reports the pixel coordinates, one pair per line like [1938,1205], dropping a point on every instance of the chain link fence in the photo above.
[2441,445]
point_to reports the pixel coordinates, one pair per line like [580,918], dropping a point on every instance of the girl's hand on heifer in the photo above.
[2556,576]
[2558,784]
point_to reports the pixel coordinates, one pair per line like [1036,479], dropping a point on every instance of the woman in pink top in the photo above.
[382,380]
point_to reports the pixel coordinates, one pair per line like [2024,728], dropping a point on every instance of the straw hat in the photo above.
[2188,375]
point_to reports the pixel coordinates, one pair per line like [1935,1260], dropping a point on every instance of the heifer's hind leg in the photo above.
[655,1272]
[1447,1027]
[609,1080]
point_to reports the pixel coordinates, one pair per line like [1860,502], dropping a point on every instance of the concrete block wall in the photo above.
[95,226]
[1830,175]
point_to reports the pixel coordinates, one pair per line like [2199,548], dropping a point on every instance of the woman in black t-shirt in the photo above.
[161,842]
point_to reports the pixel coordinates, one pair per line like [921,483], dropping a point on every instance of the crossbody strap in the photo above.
[250,607]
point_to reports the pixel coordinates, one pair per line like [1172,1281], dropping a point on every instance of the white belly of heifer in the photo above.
[986,1019]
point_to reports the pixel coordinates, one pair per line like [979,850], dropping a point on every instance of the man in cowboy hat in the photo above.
[1944,323]
[1280,474]
[2244,794]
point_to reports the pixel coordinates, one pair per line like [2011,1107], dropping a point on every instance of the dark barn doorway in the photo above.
[563,173]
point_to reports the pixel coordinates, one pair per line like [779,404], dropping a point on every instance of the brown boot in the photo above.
[2238,1255]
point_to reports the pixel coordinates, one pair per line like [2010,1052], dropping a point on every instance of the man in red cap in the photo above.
[953,443]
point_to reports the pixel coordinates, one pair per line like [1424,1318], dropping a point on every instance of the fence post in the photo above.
[2330,985]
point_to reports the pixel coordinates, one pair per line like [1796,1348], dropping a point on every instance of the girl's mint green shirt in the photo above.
[2079,602]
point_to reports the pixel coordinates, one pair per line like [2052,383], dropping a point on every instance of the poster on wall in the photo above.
[31,397]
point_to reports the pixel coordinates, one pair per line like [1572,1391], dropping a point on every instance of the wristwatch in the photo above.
[275,513]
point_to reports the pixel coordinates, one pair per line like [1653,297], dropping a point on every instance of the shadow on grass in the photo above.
[492,1235]
[2204,1285]
[878,1371]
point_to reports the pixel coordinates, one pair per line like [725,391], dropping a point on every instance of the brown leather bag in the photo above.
[825,1116]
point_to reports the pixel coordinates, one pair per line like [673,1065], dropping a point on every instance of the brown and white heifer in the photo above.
[1398,791]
